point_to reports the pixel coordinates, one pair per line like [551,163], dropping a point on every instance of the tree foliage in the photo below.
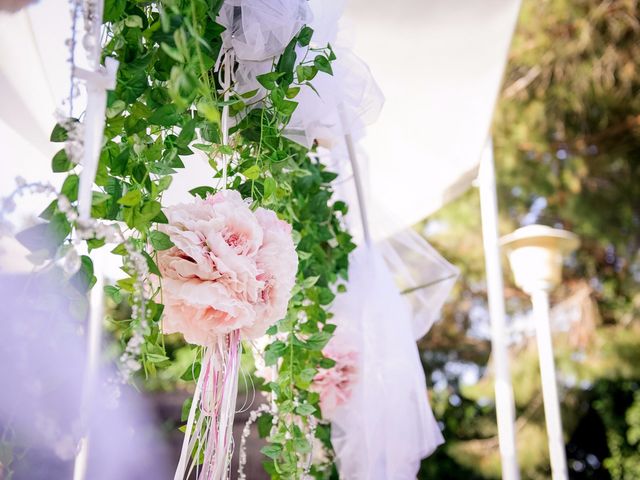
[567,147]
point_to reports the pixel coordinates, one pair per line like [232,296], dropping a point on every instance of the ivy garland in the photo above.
[167,102]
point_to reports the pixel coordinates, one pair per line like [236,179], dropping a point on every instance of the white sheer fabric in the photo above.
[424,277]
[259,30]
[327,15]
[343,103]
[387,426]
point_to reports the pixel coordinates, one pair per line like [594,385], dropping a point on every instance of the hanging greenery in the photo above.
[169,102]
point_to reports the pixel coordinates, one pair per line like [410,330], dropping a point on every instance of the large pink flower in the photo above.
[335,384]
[278,262]
[230,268]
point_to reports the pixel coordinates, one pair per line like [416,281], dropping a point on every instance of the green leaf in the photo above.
[116,109]
[305,72]
[164,183]
[139,172]
[309,282]
[147,213]
[127,284]
[201,192]
[84,279]
[252,173]
[323,64]
[186,406]
[327,363]
[305,409]
[272,330]
[70,187]
[160,240]
[329,328]
[287,107]
[133,21]
[120,249]
[113,293]
[59,134]
[187,134]
[113,10]
[269,187]
[301,445]
[273,352]
[264,424]
[45,236]
[286,406]
[304,37]
[191,373]
[165,116]
[209,110]
[292,92]
[268,80]
[153,268]
[98,198]
[173,52]
[272,450]
[60,162]
[160,218]
[287,62]
[131,198]
[156,358]
[94,243]
[318,340]
[307,374]
[48,212]
[249,94]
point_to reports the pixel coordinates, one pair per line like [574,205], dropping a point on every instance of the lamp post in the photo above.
[535,253]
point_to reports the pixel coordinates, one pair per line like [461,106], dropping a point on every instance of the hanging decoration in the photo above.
[259,254]
[227,278]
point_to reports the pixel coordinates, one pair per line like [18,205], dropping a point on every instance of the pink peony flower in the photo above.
[335,384]
[230,268]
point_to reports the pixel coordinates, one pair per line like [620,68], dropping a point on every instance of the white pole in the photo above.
[540,301]
[505,410]
[94,336]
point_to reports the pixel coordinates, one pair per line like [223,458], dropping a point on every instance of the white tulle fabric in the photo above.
[256,33]
[343,104]
[387,426]
[326,21]
[423,276]
[259,30]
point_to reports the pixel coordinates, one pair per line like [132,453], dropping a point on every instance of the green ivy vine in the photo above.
[168,102]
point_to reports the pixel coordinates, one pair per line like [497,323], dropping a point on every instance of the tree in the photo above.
[567,147]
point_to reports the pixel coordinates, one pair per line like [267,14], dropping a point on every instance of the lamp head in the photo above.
[535,254]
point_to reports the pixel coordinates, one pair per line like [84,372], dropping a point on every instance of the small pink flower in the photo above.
[335,384]
[230,268]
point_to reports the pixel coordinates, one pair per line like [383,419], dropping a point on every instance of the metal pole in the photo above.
[540,301]
[505,410]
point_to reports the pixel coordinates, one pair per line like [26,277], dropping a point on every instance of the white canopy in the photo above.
[34,77]
[440,65]
[438,62]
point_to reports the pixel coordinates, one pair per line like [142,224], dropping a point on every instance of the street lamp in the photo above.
[535,253]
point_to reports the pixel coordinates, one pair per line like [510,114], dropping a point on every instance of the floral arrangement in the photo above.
[261,248]
[230,269]
[335,384]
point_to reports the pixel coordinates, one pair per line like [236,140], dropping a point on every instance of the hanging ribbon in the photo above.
[209,430]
